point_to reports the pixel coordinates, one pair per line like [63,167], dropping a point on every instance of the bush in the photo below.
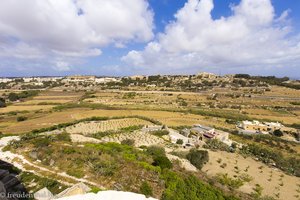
[63,137]
[146,189]
[129,142]
[197,158]
[41,142]
[215,144]
[179,141]
[189,187]
[224,179]
[162,161]
[278,133]
[156,151]
[2,103]
[21,119]
[160,133]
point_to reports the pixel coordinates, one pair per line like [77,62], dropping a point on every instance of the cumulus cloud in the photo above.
[62,66]
[70,28]
[251,37]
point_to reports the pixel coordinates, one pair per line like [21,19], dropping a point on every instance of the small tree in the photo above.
[13,96]
[2,103]
[278,133]
[197,158]
[21,118]
[162,161]
[179,141]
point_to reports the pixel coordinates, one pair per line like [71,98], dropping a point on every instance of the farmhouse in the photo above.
[256,127]
[205,133]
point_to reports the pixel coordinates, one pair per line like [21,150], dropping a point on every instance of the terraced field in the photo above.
[102,126]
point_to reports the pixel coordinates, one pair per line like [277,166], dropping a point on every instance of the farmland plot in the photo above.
[109,125]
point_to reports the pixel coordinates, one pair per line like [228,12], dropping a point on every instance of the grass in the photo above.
[28,178]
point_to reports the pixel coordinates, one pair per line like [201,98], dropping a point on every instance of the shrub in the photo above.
[162,161]
[197,158]
[63,137]
[146,189]
[129,142]
[160,133]
[278,133]
[2,103]
[189,187]
[224,179]
[41,142]
[215,144]
[156,151]
[21,118]
[179,141]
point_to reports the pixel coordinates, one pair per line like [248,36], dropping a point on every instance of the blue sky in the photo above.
[149,39]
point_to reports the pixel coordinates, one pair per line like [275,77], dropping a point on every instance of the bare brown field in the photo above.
[283,91]
[25,108]
[53,97]
[47,120]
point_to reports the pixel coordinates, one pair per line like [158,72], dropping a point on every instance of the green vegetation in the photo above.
[278,133]
[63,137]
[197,157]
[215,144]
[2,103]
[179,141]
[257,191]
[160,133]
[224,179]
[162,161]
[180,187]
[22,95]
[159,157]
[146,189]
[129,95]
[21,118]
[27,178]
[129,142]
[272,80]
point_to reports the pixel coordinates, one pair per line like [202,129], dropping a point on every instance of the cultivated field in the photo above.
[275,183]
[102,126]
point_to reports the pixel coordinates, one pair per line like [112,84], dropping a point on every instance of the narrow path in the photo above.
[20,162]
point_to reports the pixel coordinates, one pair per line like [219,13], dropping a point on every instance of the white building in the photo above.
[5,80]
[106,80]
[175,136]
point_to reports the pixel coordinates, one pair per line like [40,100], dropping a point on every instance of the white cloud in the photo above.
[62,66]
[71,28]
[251,36]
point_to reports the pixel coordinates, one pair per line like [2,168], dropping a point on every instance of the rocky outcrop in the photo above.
[10,186]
